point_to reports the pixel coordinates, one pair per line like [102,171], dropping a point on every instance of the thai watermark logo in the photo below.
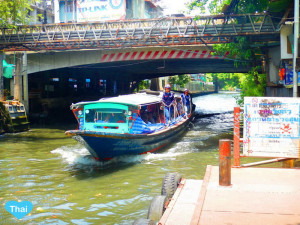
[19,209]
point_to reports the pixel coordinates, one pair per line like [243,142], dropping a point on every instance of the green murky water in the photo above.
[66,186]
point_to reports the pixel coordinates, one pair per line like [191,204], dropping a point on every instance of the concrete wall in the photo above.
[274,63]
[38,62]
[55,60]
[279,92]
[285,31]
[138,9]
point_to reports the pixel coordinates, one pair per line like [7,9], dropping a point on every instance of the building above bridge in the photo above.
[94,11]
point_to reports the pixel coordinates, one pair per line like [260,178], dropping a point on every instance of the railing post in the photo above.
[224,162]
[236,136]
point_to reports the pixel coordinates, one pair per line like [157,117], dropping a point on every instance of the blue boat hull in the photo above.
[105,146]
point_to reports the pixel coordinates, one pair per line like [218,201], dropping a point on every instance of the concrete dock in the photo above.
[256,196]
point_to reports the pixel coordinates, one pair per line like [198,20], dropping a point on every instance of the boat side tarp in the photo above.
[140,127]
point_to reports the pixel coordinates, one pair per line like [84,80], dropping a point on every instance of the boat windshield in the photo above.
[105,115]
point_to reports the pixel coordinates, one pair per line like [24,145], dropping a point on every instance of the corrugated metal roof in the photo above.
[134,99]
[131,99]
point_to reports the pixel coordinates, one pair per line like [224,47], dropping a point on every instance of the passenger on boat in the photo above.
[168,100]
[186,99]
[115,118]
[179,106]
[151,109]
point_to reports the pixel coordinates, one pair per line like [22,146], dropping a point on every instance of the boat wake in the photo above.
[78,155]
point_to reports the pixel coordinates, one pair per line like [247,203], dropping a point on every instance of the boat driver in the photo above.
[168,100]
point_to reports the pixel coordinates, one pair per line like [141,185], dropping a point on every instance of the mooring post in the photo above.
[236,136]
[224,162]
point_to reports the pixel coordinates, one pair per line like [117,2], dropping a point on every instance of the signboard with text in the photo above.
[99,10]
[271,127]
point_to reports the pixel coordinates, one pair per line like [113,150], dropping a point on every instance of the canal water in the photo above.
[66,186]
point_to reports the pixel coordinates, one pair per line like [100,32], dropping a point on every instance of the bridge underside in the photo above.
[139,70]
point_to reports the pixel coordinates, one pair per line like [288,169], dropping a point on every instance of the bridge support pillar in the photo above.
[1,77]
[25,82]
[123,85]
[18,90]
[154,86]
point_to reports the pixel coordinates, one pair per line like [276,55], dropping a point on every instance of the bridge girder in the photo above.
[139,33]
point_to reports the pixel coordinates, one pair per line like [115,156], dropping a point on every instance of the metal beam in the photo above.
[136,33]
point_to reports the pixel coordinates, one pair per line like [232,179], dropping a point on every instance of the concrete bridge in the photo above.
[124,52]
[172,60]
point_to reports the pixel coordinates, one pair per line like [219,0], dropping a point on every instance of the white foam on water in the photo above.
[79,155]
[76,155]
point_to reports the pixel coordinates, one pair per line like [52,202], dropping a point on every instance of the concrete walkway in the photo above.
[267,196]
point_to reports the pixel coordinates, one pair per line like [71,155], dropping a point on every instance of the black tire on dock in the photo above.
[143,222]
[170,184]
[157,208]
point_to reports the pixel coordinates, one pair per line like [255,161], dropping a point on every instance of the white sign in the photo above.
[98,10]
[271,127]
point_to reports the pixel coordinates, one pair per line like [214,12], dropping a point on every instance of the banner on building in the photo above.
[271,127]
[289,74]
[99,10]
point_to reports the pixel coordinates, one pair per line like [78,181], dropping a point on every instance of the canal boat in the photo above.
[127,125]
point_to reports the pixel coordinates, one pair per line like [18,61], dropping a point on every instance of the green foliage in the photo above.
[251,6]
[243,6]
[279,5]
[252,84]
[214,6]
[226,81]
[180,80]
[143,84]
[15,12]
[240,51]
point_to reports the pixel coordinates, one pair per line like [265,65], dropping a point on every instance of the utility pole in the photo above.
[1,77]
[295,55]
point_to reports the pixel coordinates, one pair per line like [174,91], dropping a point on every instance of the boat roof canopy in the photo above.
[138,99]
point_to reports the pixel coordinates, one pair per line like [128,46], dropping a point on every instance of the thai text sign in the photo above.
[271,127]
[98,10]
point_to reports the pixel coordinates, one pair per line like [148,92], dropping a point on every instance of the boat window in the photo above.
[151,114]
[105,115]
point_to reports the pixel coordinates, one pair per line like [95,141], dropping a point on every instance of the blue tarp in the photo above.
[140,127]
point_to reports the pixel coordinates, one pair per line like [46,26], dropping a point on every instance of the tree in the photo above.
[214,6]
[226,81]
[15,12]
[180,80]
[253,83]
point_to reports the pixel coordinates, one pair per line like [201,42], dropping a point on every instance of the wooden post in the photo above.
[236,137]
[288,163]
[224,162]
[1,77]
